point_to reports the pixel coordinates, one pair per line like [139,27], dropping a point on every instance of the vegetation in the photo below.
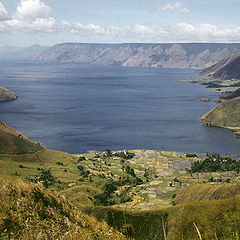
[202,192]
[140,186]
[214,163]
[29,211]
[225,114]
[13,142]
[191,155]
[214,220]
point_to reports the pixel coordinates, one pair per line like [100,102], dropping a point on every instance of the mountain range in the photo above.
[162,55]
[10,52]
[159,55]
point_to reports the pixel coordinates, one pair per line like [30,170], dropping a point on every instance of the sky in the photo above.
[48,22]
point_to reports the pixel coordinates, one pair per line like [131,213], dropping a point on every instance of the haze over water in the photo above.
[82,107]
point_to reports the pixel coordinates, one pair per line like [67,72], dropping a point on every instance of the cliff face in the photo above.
[227,68]
[185,55]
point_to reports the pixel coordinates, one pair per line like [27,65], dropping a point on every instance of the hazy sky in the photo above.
[46,22]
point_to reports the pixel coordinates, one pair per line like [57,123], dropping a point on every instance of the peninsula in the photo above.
[7,95]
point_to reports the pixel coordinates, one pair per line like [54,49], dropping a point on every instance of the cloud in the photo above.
[3,13]
[32,9]
[176,7]
[35,17]
[208,32]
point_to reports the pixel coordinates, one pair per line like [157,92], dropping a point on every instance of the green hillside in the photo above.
[202,192]
[29,212]
[135,192]
[226,114]
[215,219]
[13,142]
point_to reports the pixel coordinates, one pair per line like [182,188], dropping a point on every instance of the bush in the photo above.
[214,162]
[191,155]
[46,178]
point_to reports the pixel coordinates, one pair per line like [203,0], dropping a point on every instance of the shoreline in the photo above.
[217,85]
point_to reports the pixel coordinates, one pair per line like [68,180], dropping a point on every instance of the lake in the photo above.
[80,107]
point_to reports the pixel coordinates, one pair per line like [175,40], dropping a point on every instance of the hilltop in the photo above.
[7,95]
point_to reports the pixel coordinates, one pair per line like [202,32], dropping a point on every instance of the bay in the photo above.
[78,107]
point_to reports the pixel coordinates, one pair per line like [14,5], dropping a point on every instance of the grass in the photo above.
[201,192]
[199,234]
[166,179]
[29,211]
[213,218]
[13,142]
[145,217]
[151,181]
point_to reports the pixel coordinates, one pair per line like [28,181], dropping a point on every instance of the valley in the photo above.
[126,194]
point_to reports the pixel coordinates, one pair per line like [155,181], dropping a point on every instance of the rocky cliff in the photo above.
[227,68]
[184,55]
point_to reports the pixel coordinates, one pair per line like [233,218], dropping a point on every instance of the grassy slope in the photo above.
[216,219]
[28,211]
[23,158]
[226,114]
[201,192]
[210,216]
[13,142]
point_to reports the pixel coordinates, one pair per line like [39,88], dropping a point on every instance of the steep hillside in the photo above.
[6,95]
[201,192]
[29,211]
[184,55]
[13,142]
[215,219]
[227,68]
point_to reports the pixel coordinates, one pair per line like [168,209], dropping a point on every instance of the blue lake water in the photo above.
[82,107]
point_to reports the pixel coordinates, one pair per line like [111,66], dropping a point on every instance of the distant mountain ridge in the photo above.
[159,55]
[10,52]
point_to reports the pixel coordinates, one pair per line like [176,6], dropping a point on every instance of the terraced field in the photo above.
[163,175]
